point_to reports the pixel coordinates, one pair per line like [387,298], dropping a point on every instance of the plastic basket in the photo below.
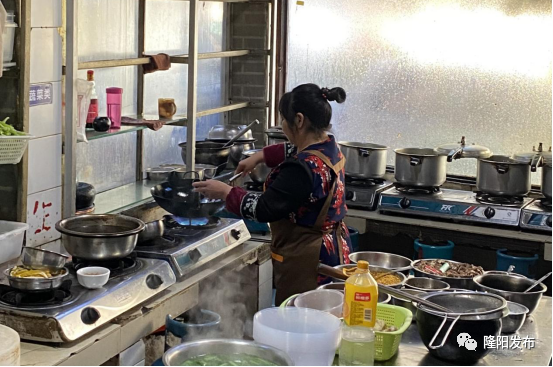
[386,344]
[12,148]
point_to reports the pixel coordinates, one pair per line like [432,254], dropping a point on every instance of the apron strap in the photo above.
[336,168]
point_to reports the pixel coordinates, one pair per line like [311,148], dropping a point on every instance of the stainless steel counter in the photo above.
[412,351]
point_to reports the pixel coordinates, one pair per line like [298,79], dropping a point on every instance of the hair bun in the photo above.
[335,94]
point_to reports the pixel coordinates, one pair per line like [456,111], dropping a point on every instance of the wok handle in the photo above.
[444,340]
[364,152]
[537,161]
[455,154]
[502,168]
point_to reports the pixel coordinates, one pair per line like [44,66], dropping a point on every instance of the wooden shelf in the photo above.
[178,59]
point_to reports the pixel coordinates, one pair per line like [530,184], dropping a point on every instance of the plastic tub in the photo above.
[328,300]
[310,337]
[11,239]
[433,251]
[525,264]
[8,38]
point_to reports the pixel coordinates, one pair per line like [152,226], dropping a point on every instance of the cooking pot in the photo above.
[224,133]
[476,314]
[364,160]
[261,171]
[164,197]
[275,135]
[99,236]
[546,178]
[208,152]
[463,150]
[539,158]
[502,176]
[420,167]
[36,284]
[239,147]
[86,193]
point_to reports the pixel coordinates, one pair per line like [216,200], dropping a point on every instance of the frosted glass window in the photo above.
[420,73]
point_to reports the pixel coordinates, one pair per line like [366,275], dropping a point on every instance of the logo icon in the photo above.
[446,208]
[465,340]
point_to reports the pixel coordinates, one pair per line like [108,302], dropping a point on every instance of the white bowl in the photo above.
[93,277]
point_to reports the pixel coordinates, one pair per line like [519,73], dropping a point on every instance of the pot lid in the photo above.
[527,157]
[464,150]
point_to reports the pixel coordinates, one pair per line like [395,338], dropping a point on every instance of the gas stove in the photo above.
[364,193]
[71,311]
[188,244]
[453,204]
[537,216]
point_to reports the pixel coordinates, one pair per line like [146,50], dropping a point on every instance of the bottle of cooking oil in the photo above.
[361,297]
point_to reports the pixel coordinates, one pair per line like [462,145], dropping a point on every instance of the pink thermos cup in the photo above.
[114,100]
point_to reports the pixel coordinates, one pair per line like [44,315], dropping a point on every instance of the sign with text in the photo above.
[40,94]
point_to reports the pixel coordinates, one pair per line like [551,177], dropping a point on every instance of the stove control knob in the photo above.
[405,203]
[489,212]
[350,195]
[90,315]
[548,221]
[154,281]
[235,233]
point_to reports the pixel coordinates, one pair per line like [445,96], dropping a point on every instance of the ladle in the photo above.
[537,282]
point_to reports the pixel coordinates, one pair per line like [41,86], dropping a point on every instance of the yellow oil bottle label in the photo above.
[360,308]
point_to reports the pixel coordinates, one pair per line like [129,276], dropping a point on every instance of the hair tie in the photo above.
[324,96]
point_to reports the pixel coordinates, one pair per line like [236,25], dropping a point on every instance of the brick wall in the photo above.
[248,77]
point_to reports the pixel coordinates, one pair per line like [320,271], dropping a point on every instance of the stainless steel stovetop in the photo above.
[536,216]
[365,194]
[452,204]
[188,248]
[72,311]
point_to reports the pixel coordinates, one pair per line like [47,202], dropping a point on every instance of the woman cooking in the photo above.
[304,198]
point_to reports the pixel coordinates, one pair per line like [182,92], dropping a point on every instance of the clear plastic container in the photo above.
[11,239]
[8,37]
[357,347]
[309,337]
[328,300]
[114,100]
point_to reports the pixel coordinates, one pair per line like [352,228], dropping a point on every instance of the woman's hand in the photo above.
[212,189]
[247,165]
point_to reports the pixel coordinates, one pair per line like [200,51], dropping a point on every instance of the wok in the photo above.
[168,200]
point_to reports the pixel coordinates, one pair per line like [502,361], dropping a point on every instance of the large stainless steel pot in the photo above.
[261,171]
[208,152]
[36,284]
[178,355]
[511,288]
[275,135]
[477,314]
[546,180]
[364,160]
[420,167]
[99,236]
[502,176]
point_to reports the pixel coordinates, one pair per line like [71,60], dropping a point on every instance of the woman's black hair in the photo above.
[312,102]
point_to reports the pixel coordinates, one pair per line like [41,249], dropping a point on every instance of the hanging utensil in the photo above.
[241,133]
[537,282]
[335,273]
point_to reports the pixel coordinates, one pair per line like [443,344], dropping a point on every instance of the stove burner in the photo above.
[545,203]
[117,267]
[175,222]
[254,186]
[36,299]
[363,182]
[415,190]
[499,200]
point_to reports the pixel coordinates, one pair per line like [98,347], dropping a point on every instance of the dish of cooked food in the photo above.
[454,269]
[25,272]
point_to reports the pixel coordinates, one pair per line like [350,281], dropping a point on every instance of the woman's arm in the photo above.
[291,188]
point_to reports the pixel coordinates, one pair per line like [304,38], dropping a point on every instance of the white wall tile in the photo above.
[46,119]
[43,211]
[45,55]
[46,13]
[44,163]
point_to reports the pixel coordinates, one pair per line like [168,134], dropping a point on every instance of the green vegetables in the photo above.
[238,359]
[8,130]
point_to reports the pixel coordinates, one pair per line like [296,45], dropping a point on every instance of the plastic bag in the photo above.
[84,91]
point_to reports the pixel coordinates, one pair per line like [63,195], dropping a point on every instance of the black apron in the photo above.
[296,249]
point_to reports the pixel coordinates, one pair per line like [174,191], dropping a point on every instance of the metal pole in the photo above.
[140,89]
[71,110]
[192,81]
